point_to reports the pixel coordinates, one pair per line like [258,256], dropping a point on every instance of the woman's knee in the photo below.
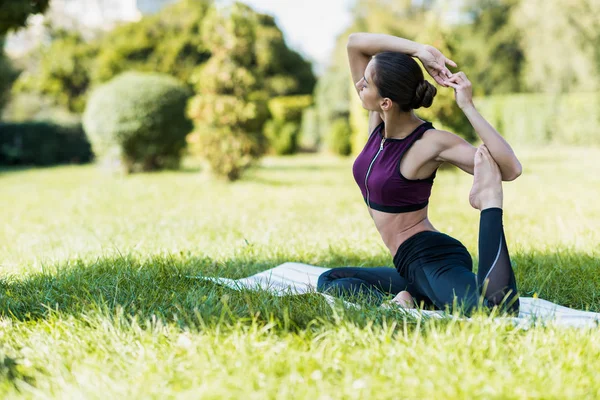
[324,281]
[327,278]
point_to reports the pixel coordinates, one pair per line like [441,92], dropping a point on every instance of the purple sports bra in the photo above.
[377,173]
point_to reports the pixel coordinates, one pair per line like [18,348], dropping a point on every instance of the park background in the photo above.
[144,142]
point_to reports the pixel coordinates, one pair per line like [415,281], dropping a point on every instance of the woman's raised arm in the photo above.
[362,46]
[503,154]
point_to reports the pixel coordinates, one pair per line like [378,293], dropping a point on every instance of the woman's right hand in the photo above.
[435,63]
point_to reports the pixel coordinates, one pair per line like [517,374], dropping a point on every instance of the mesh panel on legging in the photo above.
[495,275]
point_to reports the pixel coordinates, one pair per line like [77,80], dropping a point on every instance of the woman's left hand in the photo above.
[463,91]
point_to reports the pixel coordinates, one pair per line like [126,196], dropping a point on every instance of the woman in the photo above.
[395,172]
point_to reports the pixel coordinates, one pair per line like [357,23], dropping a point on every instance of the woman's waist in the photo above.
[395,229]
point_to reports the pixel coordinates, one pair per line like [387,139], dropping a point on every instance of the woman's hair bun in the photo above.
[424,95]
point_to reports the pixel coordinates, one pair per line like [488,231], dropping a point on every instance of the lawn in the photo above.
[96,299]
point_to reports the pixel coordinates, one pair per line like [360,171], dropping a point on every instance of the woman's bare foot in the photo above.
[487,184]
[404,299]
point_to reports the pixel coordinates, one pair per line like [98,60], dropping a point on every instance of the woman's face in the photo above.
[367,91]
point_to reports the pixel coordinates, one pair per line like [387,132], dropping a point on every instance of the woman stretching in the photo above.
[395,173]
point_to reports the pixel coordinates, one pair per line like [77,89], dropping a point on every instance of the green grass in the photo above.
[95,301]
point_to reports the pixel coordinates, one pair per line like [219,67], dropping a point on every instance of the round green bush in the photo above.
[139,119]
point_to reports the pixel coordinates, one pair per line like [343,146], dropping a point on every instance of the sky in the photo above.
[309,26]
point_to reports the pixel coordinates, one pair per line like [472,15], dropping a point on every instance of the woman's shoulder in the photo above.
[439,140]
[438,135]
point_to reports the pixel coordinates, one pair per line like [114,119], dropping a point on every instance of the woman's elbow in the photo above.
[353,39]
[515,173]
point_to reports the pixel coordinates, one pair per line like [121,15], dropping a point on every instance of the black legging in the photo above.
[370,284]
[437,269]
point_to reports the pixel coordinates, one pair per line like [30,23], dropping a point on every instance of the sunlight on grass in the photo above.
[94,301]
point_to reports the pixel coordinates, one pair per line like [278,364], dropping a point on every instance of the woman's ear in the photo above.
[386,104]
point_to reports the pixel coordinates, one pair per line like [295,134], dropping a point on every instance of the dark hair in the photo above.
[399,77]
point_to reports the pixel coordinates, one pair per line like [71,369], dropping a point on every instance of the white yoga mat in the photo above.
[295,278]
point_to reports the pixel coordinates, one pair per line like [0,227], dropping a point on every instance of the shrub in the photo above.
[542,118]
[332,99]
[229,152]
[339,137]
[309,137]
[282,136]
[43,143]
[61,71]
[229,110]
[283,129]
[139,118]
[289,108]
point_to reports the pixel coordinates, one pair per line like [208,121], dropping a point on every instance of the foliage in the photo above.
[168,42]
[229,110]
[7,75]
[283,130]
[285,71]
[582,16]
[14,14]
[282,136]
[332,100]
[562,59]
[488,48]
[339,138]
[23,107]
[63,71]
[289,108]
[43,143]
[537,119]
[139,119]
[309,138]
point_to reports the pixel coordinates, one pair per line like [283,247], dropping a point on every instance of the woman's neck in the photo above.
[399,125]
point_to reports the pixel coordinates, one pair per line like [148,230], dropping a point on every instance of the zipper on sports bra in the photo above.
[369,170]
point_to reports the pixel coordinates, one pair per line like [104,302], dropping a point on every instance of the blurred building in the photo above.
[86,16]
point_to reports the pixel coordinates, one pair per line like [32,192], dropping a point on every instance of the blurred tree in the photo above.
[14,13]
[7,75]
[338,139]
[62,72]
[309,139]
[332,100]
[558,57]
[583,17]
[283,129]
[229,110]
[488,47]
[285,71]
[167,42]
